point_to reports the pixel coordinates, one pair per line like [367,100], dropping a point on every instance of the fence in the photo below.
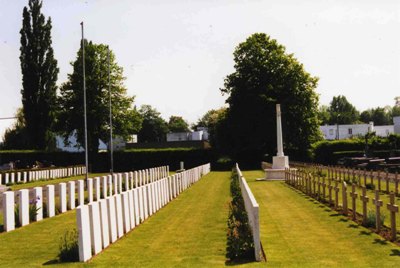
[29,205]
[11,177]
[383,181]
[252,210]
[327,190]
[103,222]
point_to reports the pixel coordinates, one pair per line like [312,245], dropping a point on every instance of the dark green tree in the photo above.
[210,120]
[154,127]
[342,112]
[39,77]
[264,76]
[380,116]
[126,120]
[16,137]
[323,114]
[177,124]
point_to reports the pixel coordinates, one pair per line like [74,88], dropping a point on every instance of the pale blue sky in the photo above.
[175,54]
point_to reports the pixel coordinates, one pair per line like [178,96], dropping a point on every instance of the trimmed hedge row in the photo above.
[328,152]
[240,245]
[128,160]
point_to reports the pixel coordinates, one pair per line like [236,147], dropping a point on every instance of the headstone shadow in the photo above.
[395,252]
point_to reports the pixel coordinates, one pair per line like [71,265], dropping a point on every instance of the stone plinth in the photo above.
[274,174]
[280,162]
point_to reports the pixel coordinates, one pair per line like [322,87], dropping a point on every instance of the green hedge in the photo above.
[123,161]
[328,152]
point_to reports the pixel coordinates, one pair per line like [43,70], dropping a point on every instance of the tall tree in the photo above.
[380,116]
[39,76]
[342,111]
[154,127]
[126,120]
[264,76]
[16,137]
[210,120]
[177,124]
[323,114]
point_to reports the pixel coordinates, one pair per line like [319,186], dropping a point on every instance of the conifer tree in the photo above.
[39,76]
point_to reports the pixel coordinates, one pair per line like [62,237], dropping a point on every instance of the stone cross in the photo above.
[393,208]
[353,195]
[336,194]
[323,188]
[364,198]
[344,197]
[379,182]
[371,175]
[378,203]
[365,177]
[387,181]
[396,184]
[330,187]
[279,130]
[319,187]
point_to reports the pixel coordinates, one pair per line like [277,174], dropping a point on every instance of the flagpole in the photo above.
[84,104]
[111,125]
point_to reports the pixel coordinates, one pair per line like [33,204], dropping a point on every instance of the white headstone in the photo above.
[50,201]
[38,195]
[118,210]
[71,194]
[84,240]
[8,211]
[81,192]
[23,207]
[136,206]
[131,208]
[104,185]
[125,212]
[105,233]
[90,189]
[95,227]
[96,182]
[62,189]
[112,218]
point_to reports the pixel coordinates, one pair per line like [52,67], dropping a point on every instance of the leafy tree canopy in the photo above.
[380,116]
[342,112]
[177,124]
[154,127]
[126,120]
[16,137]
[264,76]
[324,115]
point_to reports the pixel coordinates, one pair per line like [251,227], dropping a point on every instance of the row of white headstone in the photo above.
[252,209]
[97,188]
[103,222]
[34,175]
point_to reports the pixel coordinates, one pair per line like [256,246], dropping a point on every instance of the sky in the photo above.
[176,54]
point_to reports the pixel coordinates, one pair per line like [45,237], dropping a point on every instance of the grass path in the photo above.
[188,232]
[297,231]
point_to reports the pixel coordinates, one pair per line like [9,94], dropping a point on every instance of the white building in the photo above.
[330,132]
[200,135]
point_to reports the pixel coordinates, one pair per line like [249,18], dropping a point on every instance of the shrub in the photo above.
[240,245]
[33,209]
[68,247]
[371,219]
[370,186]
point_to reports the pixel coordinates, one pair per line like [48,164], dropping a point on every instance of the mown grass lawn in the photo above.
[188,232]
[297,231]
